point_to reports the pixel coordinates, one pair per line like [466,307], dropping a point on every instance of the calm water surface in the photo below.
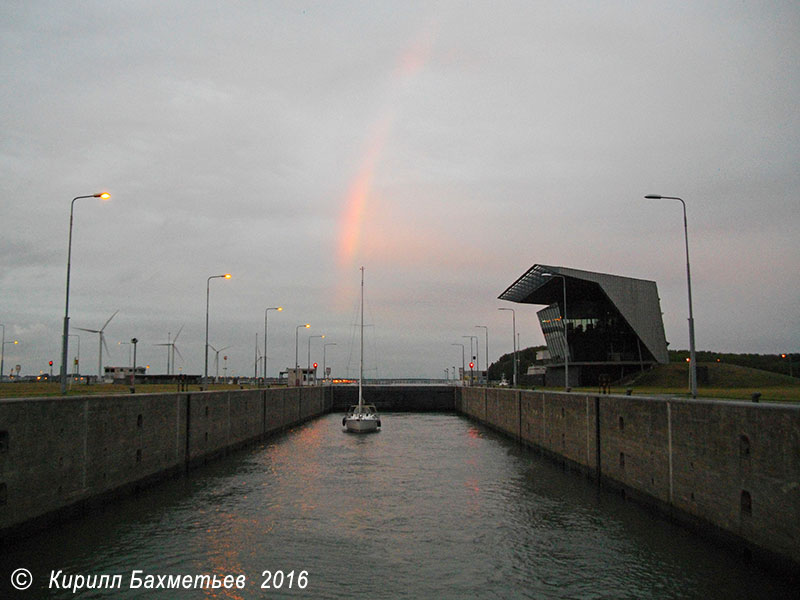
[434,506]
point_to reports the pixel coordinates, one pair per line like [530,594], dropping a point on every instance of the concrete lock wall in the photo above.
[59,454]
[397,398]
[731,469]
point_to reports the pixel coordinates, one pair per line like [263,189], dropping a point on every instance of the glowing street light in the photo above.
[3,352]
[279,309]
[65,337]
[693,367]
[208,287]
[296,340]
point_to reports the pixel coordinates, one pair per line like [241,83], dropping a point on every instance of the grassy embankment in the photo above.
[724,381]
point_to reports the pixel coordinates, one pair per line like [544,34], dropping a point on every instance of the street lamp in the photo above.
[564,318]
[296,344]
[311,337]
[324,348]
[486,331]
[208,288]
[134,341]
[693,366]
[476,356]
[76,365]
[462,363]
[279,309]
[514,325]
[3,351]
[65,336]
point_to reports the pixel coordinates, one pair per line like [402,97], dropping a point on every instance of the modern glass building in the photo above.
[613,323]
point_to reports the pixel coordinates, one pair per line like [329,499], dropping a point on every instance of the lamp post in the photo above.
[296,345]
[692,357]
[564,318]
[476,356]
[134,341]
[208,288]
[462,363]
[514,326]
[65,336]
[324,348]
[279,309]
[76,369]
[3,350]
[486,360]
[309,350]
[129,349]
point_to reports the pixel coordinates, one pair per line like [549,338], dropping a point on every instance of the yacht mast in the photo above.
[361,366]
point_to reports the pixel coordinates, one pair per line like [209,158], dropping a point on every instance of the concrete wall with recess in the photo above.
[59,454]
[398,398]
[731,469]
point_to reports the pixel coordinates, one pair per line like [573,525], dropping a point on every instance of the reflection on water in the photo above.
[433,506]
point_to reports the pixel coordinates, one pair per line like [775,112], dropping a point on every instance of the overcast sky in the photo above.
[444,146]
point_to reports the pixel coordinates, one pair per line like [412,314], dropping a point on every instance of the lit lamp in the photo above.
[279,309]
[3,352]
[65,337]
[692,357]
[208,287]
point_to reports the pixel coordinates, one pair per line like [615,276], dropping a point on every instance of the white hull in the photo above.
[361,425]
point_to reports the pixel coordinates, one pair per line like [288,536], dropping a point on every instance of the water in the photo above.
[433,506]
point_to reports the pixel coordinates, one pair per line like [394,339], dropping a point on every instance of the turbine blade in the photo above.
[178,352]
[109,320]
[175,339]
[89,330]
[103,340]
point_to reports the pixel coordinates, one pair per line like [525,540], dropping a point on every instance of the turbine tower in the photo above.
[172,350]
[102,343]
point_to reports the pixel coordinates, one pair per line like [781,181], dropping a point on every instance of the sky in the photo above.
[446,147]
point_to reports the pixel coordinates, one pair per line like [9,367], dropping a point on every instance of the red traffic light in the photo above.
[315,365]
[51,363]
[472,365]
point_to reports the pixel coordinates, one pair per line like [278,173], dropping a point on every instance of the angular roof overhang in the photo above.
[636,299]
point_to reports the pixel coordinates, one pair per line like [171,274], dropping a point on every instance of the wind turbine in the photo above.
[216,359]
[172,349]
[101,343]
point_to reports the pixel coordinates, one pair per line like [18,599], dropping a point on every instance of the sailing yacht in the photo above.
[361,417]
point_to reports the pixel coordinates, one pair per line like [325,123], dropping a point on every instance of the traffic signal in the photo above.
[51,363]
[472,365]
[315,366]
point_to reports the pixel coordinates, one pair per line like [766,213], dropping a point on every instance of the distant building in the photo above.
[121,374]
[614,324]
[300,376]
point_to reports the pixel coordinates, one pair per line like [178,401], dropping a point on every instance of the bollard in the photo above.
[756,396]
